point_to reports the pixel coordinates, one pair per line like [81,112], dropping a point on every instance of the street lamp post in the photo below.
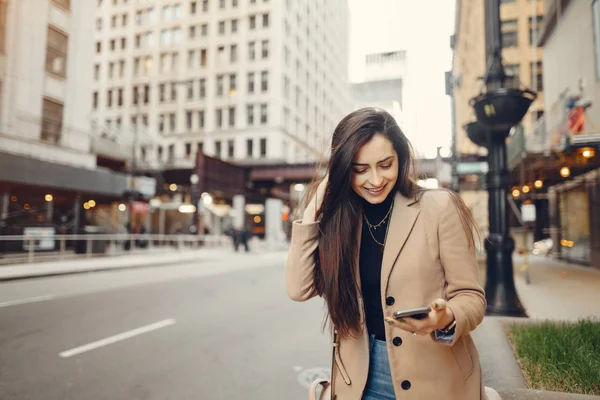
[497,111]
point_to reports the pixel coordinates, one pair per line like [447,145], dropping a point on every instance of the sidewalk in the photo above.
[147,258]
[558,290]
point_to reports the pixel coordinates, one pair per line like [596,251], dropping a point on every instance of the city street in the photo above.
[205,330]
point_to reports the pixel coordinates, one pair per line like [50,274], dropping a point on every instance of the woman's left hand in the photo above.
[439,317]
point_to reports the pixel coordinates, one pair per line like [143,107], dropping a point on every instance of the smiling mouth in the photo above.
[376,190]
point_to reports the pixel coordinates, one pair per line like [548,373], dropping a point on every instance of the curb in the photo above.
[531,394]
[49,274]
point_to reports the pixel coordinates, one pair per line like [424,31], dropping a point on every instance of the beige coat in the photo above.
[427,256]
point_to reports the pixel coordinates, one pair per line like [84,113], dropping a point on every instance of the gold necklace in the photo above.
[374,227]
[381,245]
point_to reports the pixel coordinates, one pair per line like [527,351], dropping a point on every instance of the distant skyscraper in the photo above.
[384,81]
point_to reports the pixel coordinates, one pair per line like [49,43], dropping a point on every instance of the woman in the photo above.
[370,243]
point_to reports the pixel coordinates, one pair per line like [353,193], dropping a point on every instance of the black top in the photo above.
[370,260]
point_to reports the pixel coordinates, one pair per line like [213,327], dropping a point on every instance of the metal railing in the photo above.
[34,248]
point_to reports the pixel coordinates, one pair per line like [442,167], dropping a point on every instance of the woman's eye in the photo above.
[387,166]
[360,171]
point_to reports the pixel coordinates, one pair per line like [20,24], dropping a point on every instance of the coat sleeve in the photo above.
[465,297]
[300,266]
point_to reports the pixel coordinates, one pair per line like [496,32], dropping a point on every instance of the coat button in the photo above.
[397,341]
[405,385]
[390,301]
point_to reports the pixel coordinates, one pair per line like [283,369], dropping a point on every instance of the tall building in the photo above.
[385,74]
[248,81]
[521,21]
[48,163]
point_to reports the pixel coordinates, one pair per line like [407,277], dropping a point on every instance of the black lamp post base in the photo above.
[500,292]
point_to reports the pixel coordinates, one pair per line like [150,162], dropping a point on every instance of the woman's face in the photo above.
[375,169]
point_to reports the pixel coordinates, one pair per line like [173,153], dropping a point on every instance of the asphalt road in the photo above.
[213,330]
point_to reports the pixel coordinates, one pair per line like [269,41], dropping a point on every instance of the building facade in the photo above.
[572,97]
[48,167]
[247,81]
[521,21]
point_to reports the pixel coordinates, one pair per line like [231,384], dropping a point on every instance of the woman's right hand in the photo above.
[310,214]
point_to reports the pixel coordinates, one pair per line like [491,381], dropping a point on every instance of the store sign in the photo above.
[42,238]
[140,207]
[468,168]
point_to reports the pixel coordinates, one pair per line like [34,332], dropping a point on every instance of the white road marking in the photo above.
[25,301]
[117,338]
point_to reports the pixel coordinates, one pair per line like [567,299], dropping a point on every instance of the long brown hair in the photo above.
[336,277]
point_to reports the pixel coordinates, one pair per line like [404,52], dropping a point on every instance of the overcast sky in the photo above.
[422,28]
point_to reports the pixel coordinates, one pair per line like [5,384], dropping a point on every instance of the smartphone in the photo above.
[416,313]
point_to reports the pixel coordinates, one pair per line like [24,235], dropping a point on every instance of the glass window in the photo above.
[189,120]
[219,85]
[202,90]
[249,147]
[218,117]
[231,116]
[233,53]
[263,114]
[263,147]
[230,148]
[250,114]
[201,119]
[232,85]
[251,82]
[251,51]
[264,81]
[56,53]
[509,31]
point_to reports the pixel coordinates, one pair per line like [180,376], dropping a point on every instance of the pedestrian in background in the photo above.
[371,242]
[242,237]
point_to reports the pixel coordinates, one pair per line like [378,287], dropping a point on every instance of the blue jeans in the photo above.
[379,382]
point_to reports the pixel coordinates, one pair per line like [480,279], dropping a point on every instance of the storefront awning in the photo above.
[15,169]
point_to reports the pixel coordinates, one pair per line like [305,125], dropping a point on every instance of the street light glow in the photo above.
[565,172]
[207,199]
[48,198]
[122,207]
[173,187]
[538,184]
[92,203]
[299,187]
[187,208]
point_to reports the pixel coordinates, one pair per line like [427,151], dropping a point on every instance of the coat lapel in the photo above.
[401,224]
